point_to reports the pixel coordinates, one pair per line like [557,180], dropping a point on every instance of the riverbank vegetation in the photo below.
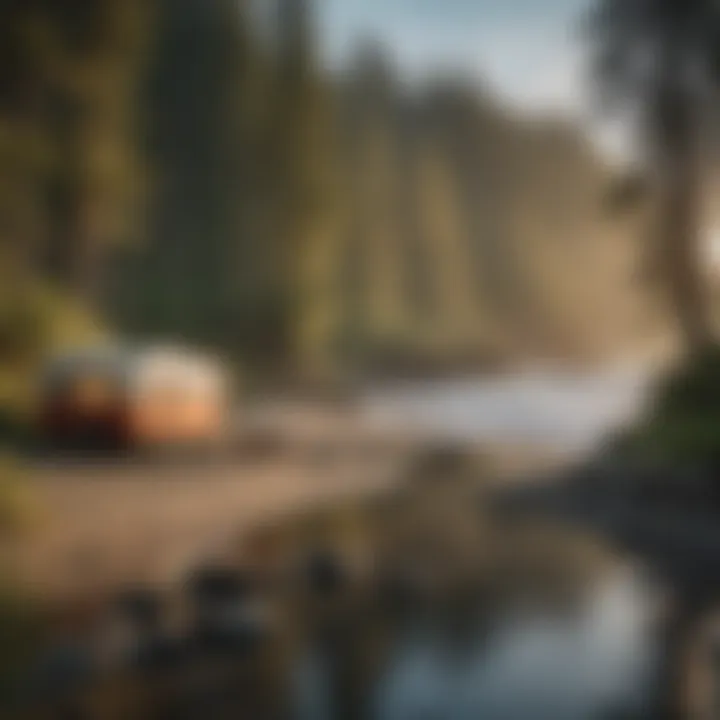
[682,424]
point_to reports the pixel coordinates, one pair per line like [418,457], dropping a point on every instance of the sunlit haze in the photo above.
[529,53]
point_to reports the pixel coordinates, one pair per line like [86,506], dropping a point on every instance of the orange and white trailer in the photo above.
[133,399]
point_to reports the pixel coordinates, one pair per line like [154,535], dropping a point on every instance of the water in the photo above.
[548,408]
[586,665]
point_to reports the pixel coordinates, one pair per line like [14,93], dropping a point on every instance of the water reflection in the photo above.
[432,601]
[595,662]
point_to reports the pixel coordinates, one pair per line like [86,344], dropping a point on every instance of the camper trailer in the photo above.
[131,399]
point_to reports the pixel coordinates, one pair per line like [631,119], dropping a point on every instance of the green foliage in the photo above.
[69,170]
[205,98]
[695,389]
[297,218]
[36,322]
[183,177]
[18,507]
[22,631]
[68,178]
[670,107]
[684,424]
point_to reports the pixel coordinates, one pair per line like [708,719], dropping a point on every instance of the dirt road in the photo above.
[104,525]
[101,526]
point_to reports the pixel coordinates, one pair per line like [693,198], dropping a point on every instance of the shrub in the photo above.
[684,422]
[18,506]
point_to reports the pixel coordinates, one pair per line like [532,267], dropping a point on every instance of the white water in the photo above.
[549,408]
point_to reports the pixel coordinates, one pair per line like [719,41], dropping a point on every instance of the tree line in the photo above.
[343,220]
[176,171]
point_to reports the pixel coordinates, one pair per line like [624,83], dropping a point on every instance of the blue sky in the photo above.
[527,50]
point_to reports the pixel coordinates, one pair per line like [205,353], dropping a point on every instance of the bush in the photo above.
[35,323]
[684,423]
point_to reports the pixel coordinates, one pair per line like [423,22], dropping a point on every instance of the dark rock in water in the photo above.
[70,712]
[398,591]
[236,636]
[62,672]
[217,584]
[142,607]
[160,654]
[224,623]
[326,573]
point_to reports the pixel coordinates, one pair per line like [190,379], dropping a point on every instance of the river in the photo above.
[594,664]
[586,665]
[549,408]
